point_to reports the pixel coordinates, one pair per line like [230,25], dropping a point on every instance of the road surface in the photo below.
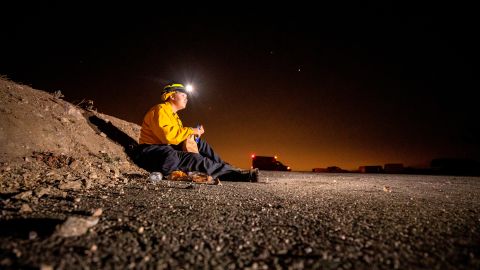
[289,220]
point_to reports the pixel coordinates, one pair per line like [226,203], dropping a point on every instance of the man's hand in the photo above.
[198,131]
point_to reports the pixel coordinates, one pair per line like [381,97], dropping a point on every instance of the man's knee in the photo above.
[159,158]
[188,156]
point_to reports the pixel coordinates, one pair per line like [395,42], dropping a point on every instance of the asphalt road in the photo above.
[289,220]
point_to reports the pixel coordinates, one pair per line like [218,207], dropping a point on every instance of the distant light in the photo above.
[288,168]
[253,155]
[275,157]
[189,88]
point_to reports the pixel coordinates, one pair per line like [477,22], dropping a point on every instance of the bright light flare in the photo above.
[253,155]
[189,88]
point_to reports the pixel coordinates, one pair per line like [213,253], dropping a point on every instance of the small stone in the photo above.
[17,252]
[93,248]
[25,208]
[24,196]
[97,212]
[75,226]
[74,164]
[116,172]
[46,267]
[6,262]
[103,134]
[32,235]
[141,230]
[71,185]
[39,192]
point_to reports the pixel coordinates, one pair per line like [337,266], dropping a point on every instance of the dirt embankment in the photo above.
[47,142]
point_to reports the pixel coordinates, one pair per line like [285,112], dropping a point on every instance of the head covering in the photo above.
[171,89]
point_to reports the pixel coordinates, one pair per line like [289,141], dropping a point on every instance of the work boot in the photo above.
[248,175]
[242,176]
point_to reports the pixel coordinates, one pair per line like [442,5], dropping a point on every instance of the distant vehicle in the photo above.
[268,163]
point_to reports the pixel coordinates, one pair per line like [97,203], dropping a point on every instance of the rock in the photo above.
[25,208]
[106,168]
[32,235]
[6,262]
[71,185]
[141,230]
[74,164]
[116,172]
[74,112]
[97,212]
[24,196]
[39,192]
[46,267]
[75,226]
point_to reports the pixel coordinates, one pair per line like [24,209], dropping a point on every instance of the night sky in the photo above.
[317,86]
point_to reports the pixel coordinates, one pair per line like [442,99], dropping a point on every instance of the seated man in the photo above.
[162,135]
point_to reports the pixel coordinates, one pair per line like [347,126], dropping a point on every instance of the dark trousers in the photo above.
[168,158]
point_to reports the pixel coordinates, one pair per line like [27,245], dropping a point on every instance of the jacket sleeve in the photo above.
[169,131]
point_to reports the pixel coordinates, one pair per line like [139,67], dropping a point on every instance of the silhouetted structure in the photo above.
[371,169]
[393,168]
[331,169]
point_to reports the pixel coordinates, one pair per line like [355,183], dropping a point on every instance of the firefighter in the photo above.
[161,137]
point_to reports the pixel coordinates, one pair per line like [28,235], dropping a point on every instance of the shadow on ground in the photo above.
[128,143]
[22,227]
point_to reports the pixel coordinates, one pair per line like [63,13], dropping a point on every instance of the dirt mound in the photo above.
[46,140]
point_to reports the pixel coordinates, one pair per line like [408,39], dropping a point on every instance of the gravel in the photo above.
[288,220]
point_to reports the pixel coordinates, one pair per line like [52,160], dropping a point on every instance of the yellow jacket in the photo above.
[162,126]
